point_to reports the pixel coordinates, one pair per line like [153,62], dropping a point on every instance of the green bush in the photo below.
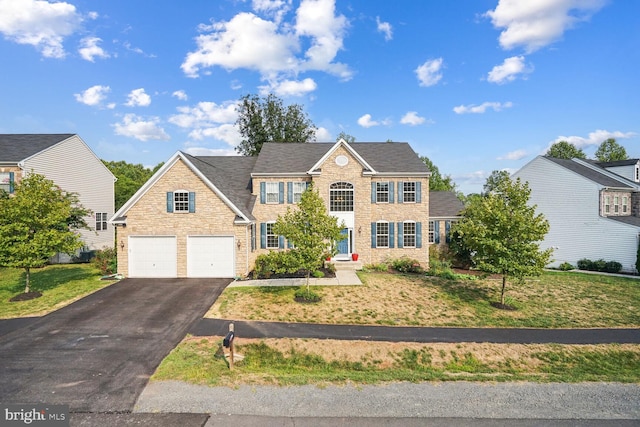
[585,264]
[331,268]
[600,265]
[275,262]
[317,274]
[566,266]
[613,267]
[407,265]
[381,267]
[105,260]
[304,295]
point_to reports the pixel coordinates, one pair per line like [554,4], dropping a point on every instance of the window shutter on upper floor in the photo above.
[418,192]
[289,192]
[281,192]
[263,192]
[169,201]
[11,182]
[373,192]
[391,192]
[400,192]
[192,202]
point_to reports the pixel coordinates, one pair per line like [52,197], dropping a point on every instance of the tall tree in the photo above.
[310,229]
[348,138]
[503,233]
[130,178]
[36,223]
[263,120]
[611,151]
[493,180]
[565,150]
[437,182]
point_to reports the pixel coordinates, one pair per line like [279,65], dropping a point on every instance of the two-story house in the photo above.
[593,208]
[66,160]
[212,216]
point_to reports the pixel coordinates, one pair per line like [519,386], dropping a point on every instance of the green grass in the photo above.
[60,285]
[201,362]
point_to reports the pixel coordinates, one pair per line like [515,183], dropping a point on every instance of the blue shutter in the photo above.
[373,192]
[281,242]
[263,235]
[391,235]
[400,235]
[281,192]
[11,182]
[289,192]
[400,192]
[418,192]
[436,231]
[373,234]
[263,192]
[390,192]
[447,230]
[192,202]
[169,201]
[289,244]
[418,234]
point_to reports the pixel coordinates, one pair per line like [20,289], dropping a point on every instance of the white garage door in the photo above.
[210,256]
[153,256]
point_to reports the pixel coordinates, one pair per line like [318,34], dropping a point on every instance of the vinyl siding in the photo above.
[570,203]
[624,171]
[75,168]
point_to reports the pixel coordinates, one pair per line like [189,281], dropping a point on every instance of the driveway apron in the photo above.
[96,355]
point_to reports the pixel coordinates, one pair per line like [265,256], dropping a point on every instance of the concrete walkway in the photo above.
[343,278]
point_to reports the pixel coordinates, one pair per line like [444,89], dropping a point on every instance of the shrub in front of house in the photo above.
[407,265]
[613,267]
[566,266]
[275,262]
[599,265]
[105,260]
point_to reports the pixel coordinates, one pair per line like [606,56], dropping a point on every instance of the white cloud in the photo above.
[89,49]
[209,120]
[366,122]
[594,138]
[514,155]
[144,130]
[289,87]
[94,96]
[509,70]
[227,132]
[412,119]
[429,73]
[39,23]
[536,24]
[270,46]
[385,28]
[138,98]
[180,94]
[482,108]
[203,151]
[323,135]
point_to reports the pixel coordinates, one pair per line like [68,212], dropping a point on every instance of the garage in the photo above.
[210,256]
[153,256]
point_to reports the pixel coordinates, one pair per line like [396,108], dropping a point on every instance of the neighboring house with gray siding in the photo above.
[66,160]
[593,208]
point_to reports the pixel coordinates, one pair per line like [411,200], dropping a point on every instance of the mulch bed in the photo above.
[26,296]
[297,275]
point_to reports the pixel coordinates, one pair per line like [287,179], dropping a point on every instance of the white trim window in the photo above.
[272,192]
[625,209]
[181,201]
[616,208]
[409,192]
[382,192]
[382,234]
[409,234]
[607,204]
[298,189]
[101,221]
[273,240]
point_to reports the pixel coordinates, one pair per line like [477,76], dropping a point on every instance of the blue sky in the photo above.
[474,85]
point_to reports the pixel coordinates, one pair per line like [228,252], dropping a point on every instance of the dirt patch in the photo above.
[26,296]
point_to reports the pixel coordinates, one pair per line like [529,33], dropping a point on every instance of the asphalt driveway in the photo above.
[97,354]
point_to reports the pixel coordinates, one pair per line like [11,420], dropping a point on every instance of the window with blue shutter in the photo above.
[263,235]
[447,231]
[170,201]
[400,235]
[263,192]
[391,192]
[281,192]
[373,192]
[192,202]
[373,234]
[418,192]
[418,234]
[289,192]
[400,192]
[436,231]
[391,236]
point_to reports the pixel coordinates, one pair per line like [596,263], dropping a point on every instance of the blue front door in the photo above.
[343,245]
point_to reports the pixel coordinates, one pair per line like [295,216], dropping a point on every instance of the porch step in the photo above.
[347,265]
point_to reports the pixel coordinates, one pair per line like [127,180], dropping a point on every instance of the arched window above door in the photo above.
[341,197]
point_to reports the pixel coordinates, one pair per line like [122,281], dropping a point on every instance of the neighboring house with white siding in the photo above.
[593,208]
[66,160]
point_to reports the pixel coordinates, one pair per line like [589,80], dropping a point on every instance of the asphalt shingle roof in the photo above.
[385,157]
[589,173]
[444,204]
[17,147]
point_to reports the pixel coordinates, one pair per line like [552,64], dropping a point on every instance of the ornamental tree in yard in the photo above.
[503,233]
[36,223]
[310,229]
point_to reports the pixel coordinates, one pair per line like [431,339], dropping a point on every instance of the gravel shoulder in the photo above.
[583,401]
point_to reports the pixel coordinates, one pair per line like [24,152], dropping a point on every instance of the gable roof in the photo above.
[15,148]
[444,204]
[593,173]
[291,158]
[616,163]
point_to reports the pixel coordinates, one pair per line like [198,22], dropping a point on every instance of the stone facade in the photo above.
[615,203]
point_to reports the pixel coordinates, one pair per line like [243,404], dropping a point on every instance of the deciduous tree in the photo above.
[437,182]
[611,151]
[565,150]
[36,223]
[310,229]
[263,120]
[503,233]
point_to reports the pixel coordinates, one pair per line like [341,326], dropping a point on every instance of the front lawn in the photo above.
[60,285]
[553,300]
